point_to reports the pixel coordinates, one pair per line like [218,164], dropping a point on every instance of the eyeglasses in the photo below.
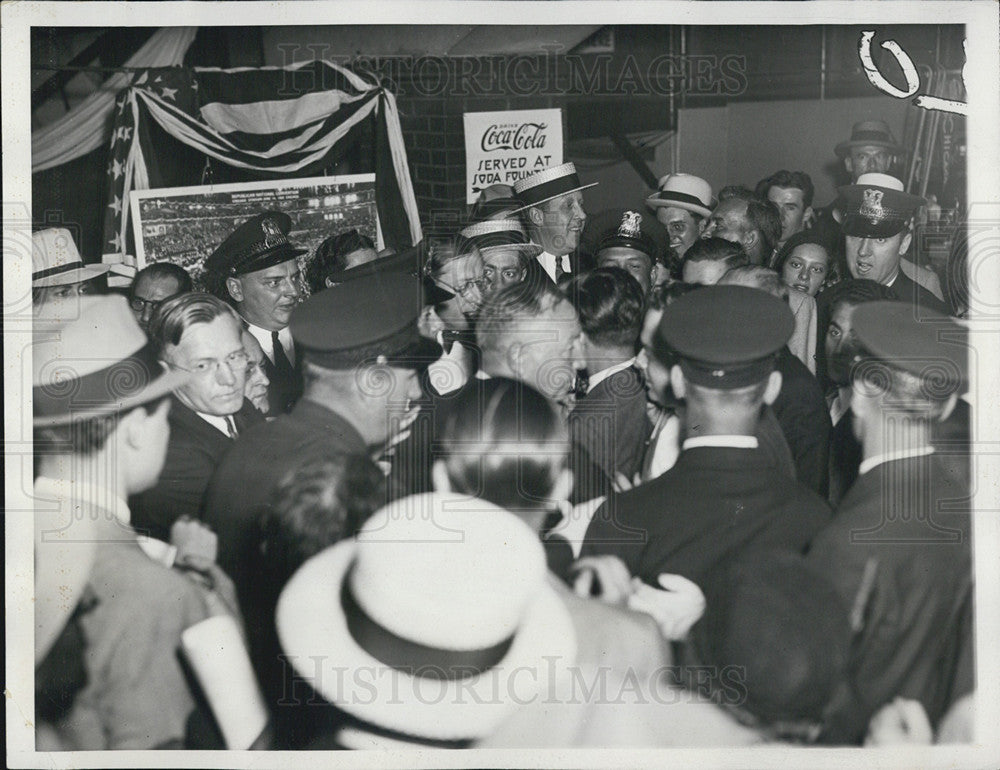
[138,304]
[465,290]
[236,361]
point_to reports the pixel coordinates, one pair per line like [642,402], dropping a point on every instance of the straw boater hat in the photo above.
[868,133]
[547,184]
[419,626]
[56,262]
[683,191]
[495,202]
[95,364]
[496,234]
[876,206]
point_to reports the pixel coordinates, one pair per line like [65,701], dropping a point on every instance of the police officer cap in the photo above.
[369,320]
[259,243]
[725,337]
[933,348]
[877,207]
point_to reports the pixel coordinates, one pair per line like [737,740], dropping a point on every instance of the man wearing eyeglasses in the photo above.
[152,285]
[199,334]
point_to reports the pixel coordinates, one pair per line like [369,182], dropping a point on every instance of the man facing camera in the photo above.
[201,335]
[256,270]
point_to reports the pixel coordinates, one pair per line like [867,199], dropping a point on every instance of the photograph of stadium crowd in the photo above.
[184,225]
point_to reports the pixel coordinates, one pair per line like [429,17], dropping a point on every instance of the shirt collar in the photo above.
[549,262]
[602,375]
[75,492]
[841,404]
[901,454]
[215,421]
[722,440]
[263,336]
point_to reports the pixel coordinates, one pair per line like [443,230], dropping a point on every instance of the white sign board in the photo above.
[502,147]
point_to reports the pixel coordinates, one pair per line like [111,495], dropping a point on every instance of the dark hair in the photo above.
[665,294]
[163,270]
[175,315]
[738,191]
[765,218]
[798,179]
[503,442]
[610,304]
[717,249]
[856,291]
[330,257]
[317,504]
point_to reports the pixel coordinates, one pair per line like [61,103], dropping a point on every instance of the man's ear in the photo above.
[702,224]
[809,217]
[439,477]
[563,486]
[949,407]
[133,427]
[849,165]
[905,243]
[677,384]
[235,288]
[773,387]
[536,216]
[750,239]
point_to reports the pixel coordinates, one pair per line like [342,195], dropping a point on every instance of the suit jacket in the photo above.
[714,504]
[898,552]
[137,695]
[193,452]
[609,429]
[805,421]
[912,292]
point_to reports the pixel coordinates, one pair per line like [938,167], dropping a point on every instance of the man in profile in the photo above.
[743,218]
[792,193]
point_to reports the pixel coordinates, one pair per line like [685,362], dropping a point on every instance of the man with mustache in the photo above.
[554,215]
[255,269]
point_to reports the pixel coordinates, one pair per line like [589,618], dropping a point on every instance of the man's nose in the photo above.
[225,375]
[290,288]
[865,249]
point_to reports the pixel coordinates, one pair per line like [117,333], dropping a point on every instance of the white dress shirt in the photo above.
[901,454]
[264,338]
[216,422]
[549,262]
[725,440]
[602,375]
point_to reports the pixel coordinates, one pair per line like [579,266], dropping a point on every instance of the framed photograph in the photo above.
[185,224]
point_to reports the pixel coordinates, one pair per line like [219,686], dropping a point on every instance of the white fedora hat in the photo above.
[433,624]
[96,363]
[683,191]
[55,260]
[547,184]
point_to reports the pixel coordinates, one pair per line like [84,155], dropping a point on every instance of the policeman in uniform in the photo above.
[723,495]
[256,270]
[898,549]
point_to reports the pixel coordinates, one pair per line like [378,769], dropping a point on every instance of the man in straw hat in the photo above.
[878,229]
[505,249]
[57,271]
[431,628]
[682,205]
[101,432]
[898,550]
[722,495]
[553,211]
[871,149]
[256,270]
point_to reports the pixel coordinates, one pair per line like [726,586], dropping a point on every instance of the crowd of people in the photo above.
[696,475]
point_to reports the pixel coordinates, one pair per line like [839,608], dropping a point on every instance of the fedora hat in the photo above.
[494,234]
[96,363]
[55,260]
[547,184]
[420,624]
[683,191]
[876,206]
[869,133]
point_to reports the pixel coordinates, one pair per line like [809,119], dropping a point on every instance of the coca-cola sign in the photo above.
[502,147]
[523,136]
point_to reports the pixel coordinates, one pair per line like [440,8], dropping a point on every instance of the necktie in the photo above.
[281,362]
[231,426]
[560,271]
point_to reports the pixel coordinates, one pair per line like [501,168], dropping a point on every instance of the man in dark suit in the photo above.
[877,229]
[722,497]
[256,270]
[200,334]
[898,549]
[360,379]
[554,215]
[609,425]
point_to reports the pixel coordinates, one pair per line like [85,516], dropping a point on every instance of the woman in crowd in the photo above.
[805,264]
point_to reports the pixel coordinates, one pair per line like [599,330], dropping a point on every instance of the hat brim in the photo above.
[844,148]
[280,255]
[858,226]
[530,250]
[656,202]
[314,634]
[553,197]
[166,383]
[78,275]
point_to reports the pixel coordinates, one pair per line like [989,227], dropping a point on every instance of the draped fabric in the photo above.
[85,127]
[271,121]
